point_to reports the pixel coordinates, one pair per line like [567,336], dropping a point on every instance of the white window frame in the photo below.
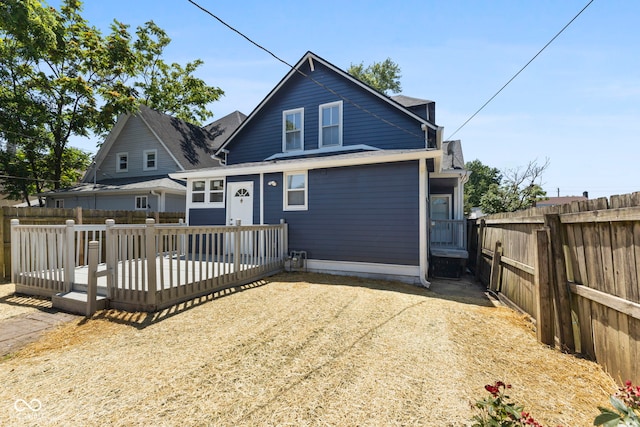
[137,204]
[203,192]
[206,192]
[59,203]
[321,127]
[145,160]
[286,190]
[207,186]
[284,129]
[120,156]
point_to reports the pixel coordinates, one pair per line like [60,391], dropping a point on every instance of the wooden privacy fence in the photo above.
[143,267]
[57,216]
[575,269]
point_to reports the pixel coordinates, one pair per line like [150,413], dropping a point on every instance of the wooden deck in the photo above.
[145,267]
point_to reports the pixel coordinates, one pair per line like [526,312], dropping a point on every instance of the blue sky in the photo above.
[577,104]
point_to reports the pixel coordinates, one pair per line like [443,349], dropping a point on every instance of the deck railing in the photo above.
[449,233]
[145,267]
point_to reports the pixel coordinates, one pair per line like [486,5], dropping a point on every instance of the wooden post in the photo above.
[236,249]
[92,287]
[68,257]
[285,239]
[111,245]
[543,295]
[559,284]
[496,269]
[150,249]
[78,214]
[481,229]
[15,251]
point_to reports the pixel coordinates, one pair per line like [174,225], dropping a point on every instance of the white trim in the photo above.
[284,129]
[285,192]
[118,157]
[423,240]
[321,128]
[402,273]
[367,158]
[145,160]
[206,203]
[261,199]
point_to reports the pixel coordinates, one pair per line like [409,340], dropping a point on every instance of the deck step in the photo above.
[76,302]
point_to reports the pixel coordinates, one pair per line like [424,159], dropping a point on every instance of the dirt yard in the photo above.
[298,350]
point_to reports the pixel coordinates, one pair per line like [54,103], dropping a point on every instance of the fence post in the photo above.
[150,253]
[181,242]
[496,269]
[236,249]
[483,224]
[559,284]
[285,239]
[543,295]
[110,246]
[15,251]
[69,259]
[92,287]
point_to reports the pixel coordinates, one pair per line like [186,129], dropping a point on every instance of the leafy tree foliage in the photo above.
[509,191]
[383,76]
[480,180]
[60,77]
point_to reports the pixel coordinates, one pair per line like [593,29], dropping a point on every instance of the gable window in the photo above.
[59,203]
[295,191]
[293,130]
[330,124]
[141,203]
[197,191]
[122,162]
[150,160]
[216,191]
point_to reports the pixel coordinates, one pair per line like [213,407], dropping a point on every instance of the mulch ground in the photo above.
[298,349]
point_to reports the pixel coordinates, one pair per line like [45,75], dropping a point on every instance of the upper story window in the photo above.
[295,191]
[122,162]
[208,191]
[330,131]
[150,159]
[293,130]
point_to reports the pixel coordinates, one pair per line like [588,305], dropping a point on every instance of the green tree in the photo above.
[383,76]
[59,77]
[519,189]
[480,180]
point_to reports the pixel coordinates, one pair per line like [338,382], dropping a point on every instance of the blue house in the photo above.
[363,180]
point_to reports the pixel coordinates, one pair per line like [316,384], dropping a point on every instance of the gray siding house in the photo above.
[363,180]
[130,170]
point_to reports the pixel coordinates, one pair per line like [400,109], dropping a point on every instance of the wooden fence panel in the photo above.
[596,253]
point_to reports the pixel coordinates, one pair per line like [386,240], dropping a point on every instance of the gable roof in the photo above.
[310,57]
[407,101]
[189,145]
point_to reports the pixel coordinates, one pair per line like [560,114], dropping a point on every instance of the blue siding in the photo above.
[218,216]
[360,214]
[262,137]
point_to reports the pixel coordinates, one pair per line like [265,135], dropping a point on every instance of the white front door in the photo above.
[240,203]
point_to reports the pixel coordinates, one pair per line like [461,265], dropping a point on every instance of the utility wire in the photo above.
[422,137]
[521,70]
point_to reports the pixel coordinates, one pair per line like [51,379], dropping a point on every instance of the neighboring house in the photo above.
[353,172]
[130,170]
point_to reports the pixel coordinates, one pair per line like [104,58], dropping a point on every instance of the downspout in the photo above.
[422,218]
[160,200]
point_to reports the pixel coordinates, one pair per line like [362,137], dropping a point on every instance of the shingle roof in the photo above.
[125,185]
[407,101]
[191,145]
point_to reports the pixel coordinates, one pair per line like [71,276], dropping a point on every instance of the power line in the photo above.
[344,98]
[521,70]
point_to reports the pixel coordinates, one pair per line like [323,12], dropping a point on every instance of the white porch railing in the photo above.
[144,267]
[449,234]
